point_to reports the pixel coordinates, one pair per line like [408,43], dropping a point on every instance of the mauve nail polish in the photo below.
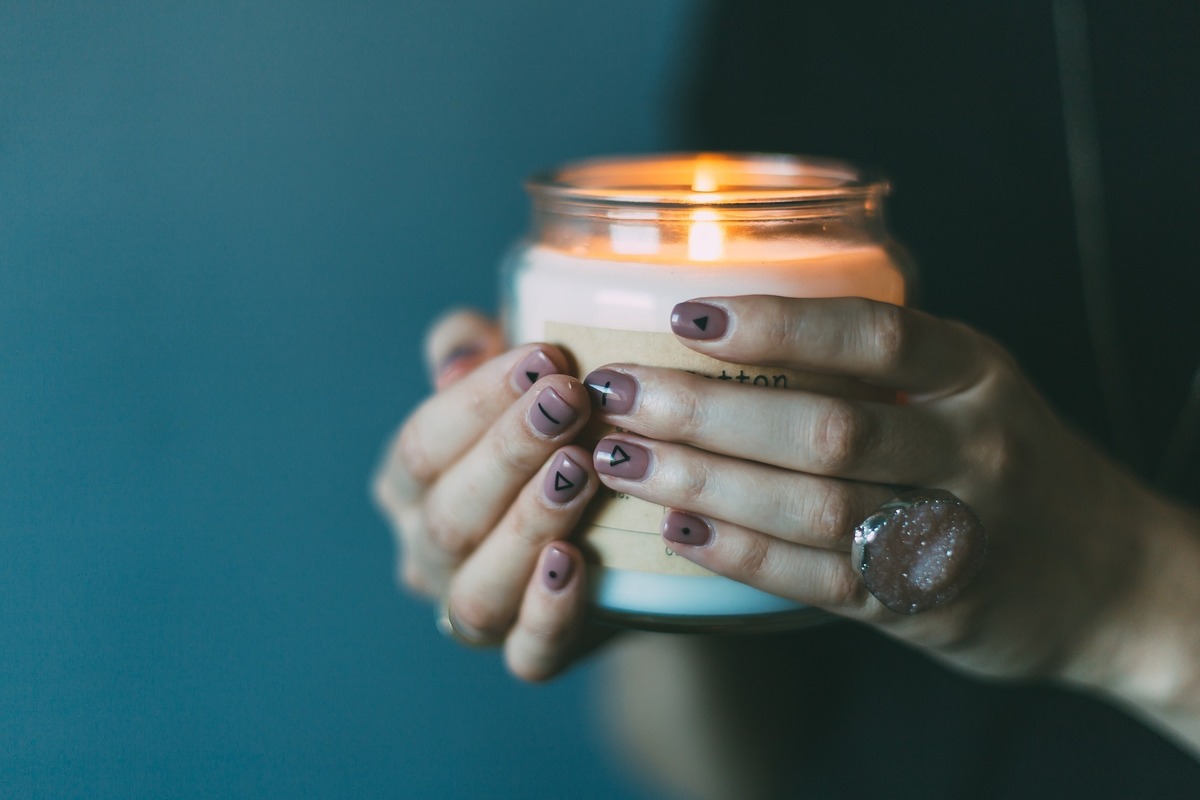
[534,366]
[458,354]
[557,567]
[564,480]
[550,415]
[457,362]
[612,392]
[681,527]
[699,321]
[621,459]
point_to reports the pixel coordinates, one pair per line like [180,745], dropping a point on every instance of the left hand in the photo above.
[773,482]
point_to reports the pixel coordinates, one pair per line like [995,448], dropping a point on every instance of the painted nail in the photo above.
[621,459]
[550,415]
[564,479]
[699,321]
[462,357]
[535,365]
[679,527]
[612,392]
[557,567]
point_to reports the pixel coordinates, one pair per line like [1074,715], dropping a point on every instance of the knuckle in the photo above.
[751,559]
[840,438]
[690,483]
[846,589]
[687,412]
[527,527]
[1000,455]
[448,533]
[835,520]
[785,332]
[889,335]
[410,455]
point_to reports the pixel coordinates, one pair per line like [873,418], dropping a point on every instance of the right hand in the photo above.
[469,485]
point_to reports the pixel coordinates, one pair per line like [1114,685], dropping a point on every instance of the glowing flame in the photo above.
[704,179]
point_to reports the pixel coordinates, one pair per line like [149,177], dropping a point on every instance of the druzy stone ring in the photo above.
[919,550]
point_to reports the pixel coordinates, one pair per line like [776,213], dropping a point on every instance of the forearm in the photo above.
[1146,654]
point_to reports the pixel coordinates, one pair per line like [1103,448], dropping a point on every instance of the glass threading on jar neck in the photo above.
[698,207]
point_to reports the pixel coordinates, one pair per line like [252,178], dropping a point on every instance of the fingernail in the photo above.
[550,415]
[557,567]
[455,360]
[679,527]
[699,321]
[612,392]
[535,365]
[621,459]
[564,479]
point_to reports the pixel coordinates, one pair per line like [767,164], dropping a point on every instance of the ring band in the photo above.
[446,626]
[920,550]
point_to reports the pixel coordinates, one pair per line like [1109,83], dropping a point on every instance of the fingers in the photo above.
[876,342]
[803,509]
[872,442]
[487,588]
[549,626]
[783,532]
[446,425]
[467,500]
[815,577]
[457,343]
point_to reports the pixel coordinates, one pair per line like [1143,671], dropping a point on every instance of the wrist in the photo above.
[1144,648]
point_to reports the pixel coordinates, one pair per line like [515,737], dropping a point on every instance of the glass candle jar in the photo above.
[615,243]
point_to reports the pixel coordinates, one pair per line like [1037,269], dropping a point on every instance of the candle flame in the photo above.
[704,179]
[706,240]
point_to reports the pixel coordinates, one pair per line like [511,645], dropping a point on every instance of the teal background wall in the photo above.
[223,228]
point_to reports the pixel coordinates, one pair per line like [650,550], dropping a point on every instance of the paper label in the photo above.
[621,531]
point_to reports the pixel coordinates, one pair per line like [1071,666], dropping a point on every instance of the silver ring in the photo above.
[446,626]
[920,550]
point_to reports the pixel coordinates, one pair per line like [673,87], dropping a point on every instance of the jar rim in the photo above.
[693,179]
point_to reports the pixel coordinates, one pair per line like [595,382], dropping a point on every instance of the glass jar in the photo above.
[614,244]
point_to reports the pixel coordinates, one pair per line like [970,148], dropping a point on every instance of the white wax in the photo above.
[552,286]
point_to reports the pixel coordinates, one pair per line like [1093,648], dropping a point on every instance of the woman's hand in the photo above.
[483,487]
[767,485]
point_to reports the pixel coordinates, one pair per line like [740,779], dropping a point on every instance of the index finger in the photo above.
[876,342]
[450,422]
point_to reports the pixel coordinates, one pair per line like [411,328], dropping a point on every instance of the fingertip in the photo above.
[539,361]
[457,342]
[568,476]
[559,407]
[551,616]
[682,530]
[558,566]
[613,389]
[699,320]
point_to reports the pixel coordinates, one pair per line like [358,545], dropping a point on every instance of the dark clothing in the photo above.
[960,104]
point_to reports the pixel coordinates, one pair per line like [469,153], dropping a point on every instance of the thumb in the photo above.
[457,343]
